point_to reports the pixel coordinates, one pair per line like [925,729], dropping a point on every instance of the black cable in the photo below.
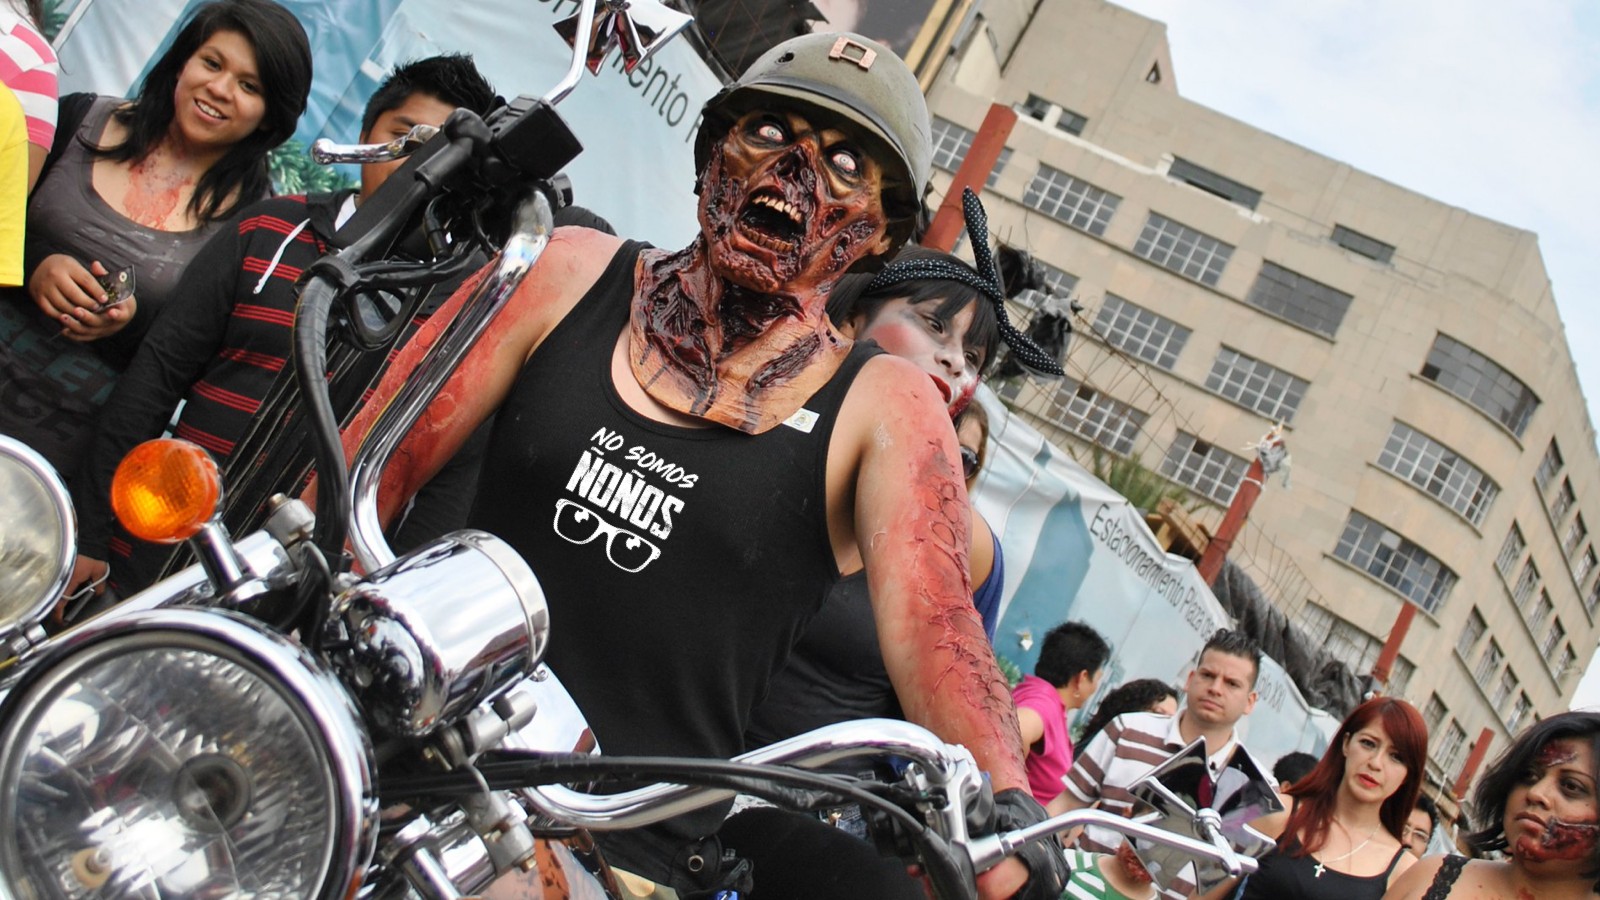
[506,770]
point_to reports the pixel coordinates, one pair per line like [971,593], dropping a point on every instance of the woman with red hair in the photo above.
[1340,837]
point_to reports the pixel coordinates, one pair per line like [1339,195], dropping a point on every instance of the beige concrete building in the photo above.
[1442,451]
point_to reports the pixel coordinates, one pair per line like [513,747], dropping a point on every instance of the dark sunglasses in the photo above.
[969,461]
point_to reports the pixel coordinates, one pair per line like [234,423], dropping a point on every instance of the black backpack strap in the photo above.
[70,113]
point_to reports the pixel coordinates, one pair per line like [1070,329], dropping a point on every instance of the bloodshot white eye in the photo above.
[846,162]
[770,131]
[182,753]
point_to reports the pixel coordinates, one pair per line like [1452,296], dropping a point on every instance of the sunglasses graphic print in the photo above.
[581,525]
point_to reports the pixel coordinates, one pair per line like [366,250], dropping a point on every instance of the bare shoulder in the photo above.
[889,387]
[569,266]
[1404,864]
[1479,880]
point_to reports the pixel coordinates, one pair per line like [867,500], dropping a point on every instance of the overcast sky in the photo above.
[1489,105]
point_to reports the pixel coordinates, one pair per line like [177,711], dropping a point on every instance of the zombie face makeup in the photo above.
[787,205]
[1552,812]
[937,344]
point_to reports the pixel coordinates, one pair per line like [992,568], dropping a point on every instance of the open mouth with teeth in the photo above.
[772,222]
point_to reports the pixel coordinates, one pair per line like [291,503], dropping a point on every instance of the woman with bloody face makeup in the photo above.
[1538,805]
[1340,836]
[130,192]
[688,453]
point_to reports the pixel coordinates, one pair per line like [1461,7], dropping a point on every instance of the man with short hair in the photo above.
[1424,818]
[1292,767]
[1218,693]
[221,349]
[1072,661]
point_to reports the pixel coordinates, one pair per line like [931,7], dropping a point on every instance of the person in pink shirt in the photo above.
[1071,663]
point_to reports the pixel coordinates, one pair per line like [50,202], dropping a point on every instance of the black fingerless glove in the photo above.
[1047,867]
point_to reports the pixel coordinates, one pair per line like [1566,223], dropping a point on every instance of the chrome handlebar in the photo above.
[325,151]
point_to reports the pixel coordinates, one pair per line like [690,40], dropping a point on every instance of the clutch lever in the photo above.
[325,151]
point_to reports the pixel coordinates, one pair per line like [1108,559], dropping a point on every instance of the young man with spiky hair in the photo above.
[688,454]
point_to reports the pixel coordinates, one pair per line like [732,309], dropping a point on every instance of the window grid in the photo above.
[1562,502]
[1356,242]
[1576,532]
[1553,639]
[1434,713]
[1438,471]
[1519,714]
[1175,246]
[1204,467]
[1071,200]
[951,142]
[1549,465]
[1504,691]
[1140,332]
[1071,122]
[1292,296]
[1541,612]
[1481,382]
[1096,417]
[1527,583]
[1510,552]
[1569,661]
[1059,283]
[1214,183]
[1448,748]
[1470,633]
[1586,564]
[1256,385]
[1407,568]
[1488,664]
[1591,597]
[1036,107]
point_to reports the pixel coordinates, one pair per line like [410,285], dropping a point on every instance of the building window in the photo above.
[1208,469]
[1256,385]
[1036,107]
[1096,417]
[1071,122]
[1470,633]
[1562,502]
[1591,598]
[1481,382]
[1057,282]
[1488,664]
[1438,471]
[1180,248]
[1540,613]
[1527,583]
[1448,748]
[1549,465]
[1585,565]
[1213,183]
[1553,639]
[1510,552]
[1519,714]
[1504,691]
[1292,296]
[1410,570]
[1434,713]
[1569,661]
[951,143]
[1071,200]
[1139,332]
[1356,242]
[1576,532]
[1154,75]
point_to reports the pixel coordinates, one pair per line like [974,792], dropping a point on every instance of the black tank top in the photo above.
[680,564]
[1282,877]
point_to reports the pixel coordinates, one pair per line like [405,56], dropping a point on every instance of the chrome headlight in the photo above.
[182,753]
[38,536]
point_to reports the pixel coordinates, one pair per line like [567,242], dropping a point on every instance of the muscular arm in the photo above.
[912,526]
[569,266]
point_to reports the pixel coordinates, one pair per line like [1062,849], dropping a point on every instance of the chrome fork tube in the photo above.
[527,242]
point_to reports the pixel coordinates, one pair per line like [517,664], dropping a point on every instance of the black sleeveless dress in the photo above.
[1282,877]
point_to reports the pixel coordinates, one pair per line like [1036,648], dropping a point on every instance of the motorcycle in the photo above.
[269,722]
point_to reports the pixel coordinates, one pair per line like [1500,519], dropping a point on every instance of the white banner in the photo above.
[1076,549]
[637,168]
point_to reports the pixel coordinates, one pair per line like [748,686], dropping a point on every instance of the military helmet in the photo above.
[850,76]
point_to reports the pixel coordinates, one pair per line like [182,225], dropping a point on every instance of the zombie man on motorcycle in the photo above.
[688,453]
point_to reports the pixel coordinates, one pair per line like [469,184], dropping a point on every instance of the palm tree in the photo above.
[1130,477]
[294,172]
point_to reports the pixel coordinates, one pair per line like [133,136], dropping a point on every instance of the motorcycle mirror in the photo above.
[166,490]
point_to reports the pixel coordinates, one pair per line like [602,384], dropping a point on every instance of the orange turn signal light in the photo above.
[166,490]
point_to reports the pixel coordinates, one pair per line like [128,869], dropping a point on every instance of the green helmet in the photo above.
[850,76]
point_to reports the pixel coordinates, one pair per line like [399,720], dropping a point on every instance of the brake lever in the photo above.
[325,151]
[988,852]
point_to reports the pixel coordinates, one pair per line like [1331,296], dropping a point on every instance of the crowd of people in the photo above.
[810,555]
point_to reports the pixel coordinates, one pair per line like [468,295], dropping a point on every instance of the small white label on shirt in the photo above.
[802,421]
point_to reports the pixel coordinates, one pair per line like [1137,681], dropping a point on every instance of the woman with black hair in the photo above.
[1537,804]
[131,192]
